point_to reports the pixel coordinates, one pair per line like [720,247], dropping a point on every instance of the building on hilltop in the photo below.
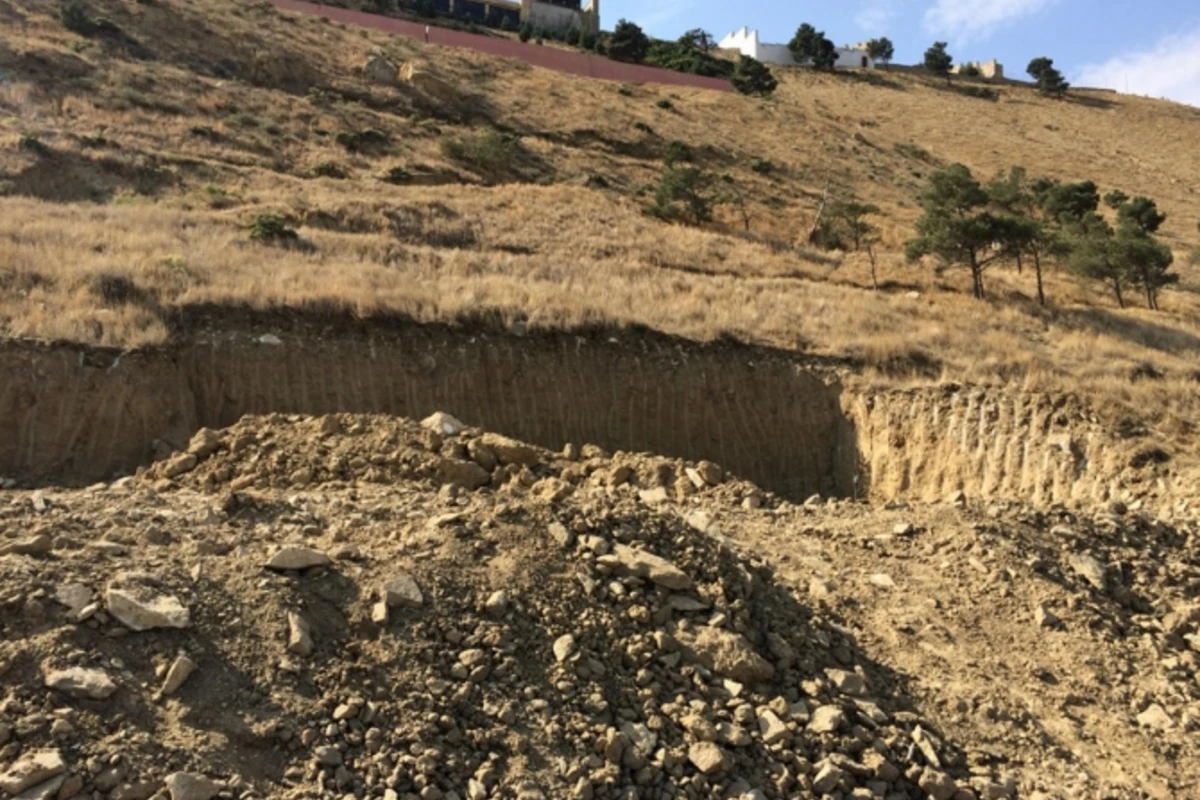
[992,70]
[747,42]
[562,15]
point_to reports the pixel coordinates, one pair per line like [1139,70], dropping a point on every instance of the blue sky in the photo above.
[1151,47]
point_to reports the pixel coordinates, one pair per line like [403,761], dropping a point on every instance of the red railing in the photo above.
[571,62]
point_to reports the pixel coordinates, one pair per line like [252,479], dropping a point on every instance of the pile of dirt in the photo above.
[354,606]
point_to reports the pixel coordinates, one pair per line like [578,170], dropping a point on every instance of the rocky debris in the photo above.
[640,564]
[32,769]
[37,545]
[564,647]
[709,758]
[177,674]
[938,785]
[829,776]
[137,601]
[1090,569]
[827,719]
[402,591]
[204,443]
[510,451]
[1155,718]
[191,786]
[297,557]
[727,654]
[443,423]
[300,641]
[380,70]
[82,683]
[75,596]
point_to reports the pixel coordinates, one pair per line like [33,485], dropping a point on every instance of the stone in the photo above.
[75,596]
[402,591]
[510,451]
[204,443]
[328,756]
[928,745]
[827,719]
[564,647]
[710,472]
[709,758]
[1156,718]
[46,790]
[819,588]
[180,670]
[297,557]
[1045,618]
[33,768]
[685,604]
[82,683]
[561,536]
[497,604]
[695,477]
[1090,569]
[880,766]
[728,654]
[180,464]
[850,683]
[138,604]
[443,423]
[379,612]
[300,640]
[883,581]
[938,785]
[466,474]
[654,497]
[772,728]
[38,545]
[639,563]
[827,778]
[481,454]
[191,786]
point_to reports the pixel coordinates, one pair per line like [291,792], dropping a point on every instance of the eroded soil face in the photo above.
[364,606]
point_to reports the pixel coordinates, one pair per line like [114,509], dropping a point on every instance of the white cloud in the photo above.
[964,20]
[875,17]
[1170,68]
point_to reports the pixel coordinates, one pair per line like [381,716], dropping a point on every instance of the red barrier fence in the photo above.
[554,58]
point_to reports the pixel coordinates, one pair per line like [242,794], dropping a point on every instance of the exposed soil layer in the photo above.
[72,414]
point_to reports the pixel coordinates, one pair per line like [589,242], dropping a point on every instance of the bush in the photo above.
[643,127]
[573,36]
[506,23]
[331,169]
[272,228]
[625,91]
[370,139]
[752,77]
[762,166]
[76,18]
[677,151]
[397,175]
[665,104]
[492,152]
[526,32]
[587,40]
[32,144]
[685,194]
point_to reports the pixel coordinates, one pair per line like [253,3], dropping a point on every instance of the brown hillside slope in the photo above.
[132,158]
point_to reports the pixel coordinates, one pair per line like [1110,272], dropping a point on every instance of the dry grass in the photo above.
[154,167]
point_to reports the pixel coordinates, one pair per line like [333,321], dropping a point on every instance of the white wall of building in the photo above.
[747,42]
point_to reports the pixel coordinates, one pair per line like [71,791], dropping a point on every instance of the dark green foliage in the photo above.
[881,49]
[938,61]
[810,46]
[643,127]
[32,144]
[698,39]
[628,43]
[367,140]
[331,169]
[957,226]
[572,37]
[665,104]
[491,153]
[685,194]
[1140,215]
[843,225]
[506,23]
[1146,262]
[526,32]
[1050,81]
[397,175]
[970,71]
[625,91]
[272,228]
[1039,65]
[587,40]
[76,17]
[677,151]
[751,76]
[425,8]
[1067,203]
[1115,199]
[762,166]
[686,55]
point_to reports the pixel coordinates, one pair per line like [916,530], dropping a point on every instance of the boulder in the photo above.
[300,640]
[191,786]
[443,423]
[709,758]
[510,451]
[380,70]
[297,557]
[466,474]
[82,683]
[402,591]
[726,653]
[138,603]
[34,768]
[641,564]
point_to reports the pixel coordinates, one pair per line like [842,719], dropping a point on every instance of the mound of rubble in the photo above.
[354,607]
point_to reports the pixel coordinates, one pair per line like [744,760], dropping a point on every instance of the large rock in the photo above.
[138,602]
[1090,569]
[726,653]
[709,758]
[402,591]
[294,556]
[827,719]
[466,474]
[81,683]
[641,564]
[443,423]
[181,669]
[190,786]
[827,778]
[38,545]
[380,70]
[429,84]
[300,640]
[938,785]
[510,451]
[33,768]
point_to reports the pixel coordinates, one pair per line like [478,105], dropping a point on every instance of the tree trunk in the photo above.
[1117,290]
[1019,264]
[1037,268]
[874,278]
[976,279]
[1150,304]
[820,211]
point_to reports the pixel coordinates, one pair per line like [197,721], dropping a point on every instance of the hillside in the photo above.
[132,159]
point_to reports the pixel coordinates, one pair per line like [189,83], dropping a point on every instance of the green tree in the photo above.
[850,223]
[1094,254]
[1037,66]
[526,32]
[628,43]
[1145,261]
[938,61]
[1049,80]
[1115,199]
[573,36]
[685,194]
[1140,214]
[809,46]
[881,49]
[1067,203]
[1032,234]
[698,39]
[751,76]
[957,226]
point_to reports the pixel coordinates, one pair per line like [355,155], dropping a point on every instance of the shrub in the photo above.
[665,104]
[272,228]
[492,152]
[397,175]
[643,127]
[677,151]
[762,166]
[753,77]
[76,18]
[526,32]
[32,144]
[573,36]
[506,23]
[685,194]
[331,169]
[625,91]
[361,141]
[587,40]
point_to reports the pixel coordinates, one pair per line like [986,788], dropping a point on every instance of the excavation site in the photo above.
[556,400]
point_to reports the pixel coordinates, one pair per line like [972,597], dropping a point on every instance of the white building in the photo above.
[747,43]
